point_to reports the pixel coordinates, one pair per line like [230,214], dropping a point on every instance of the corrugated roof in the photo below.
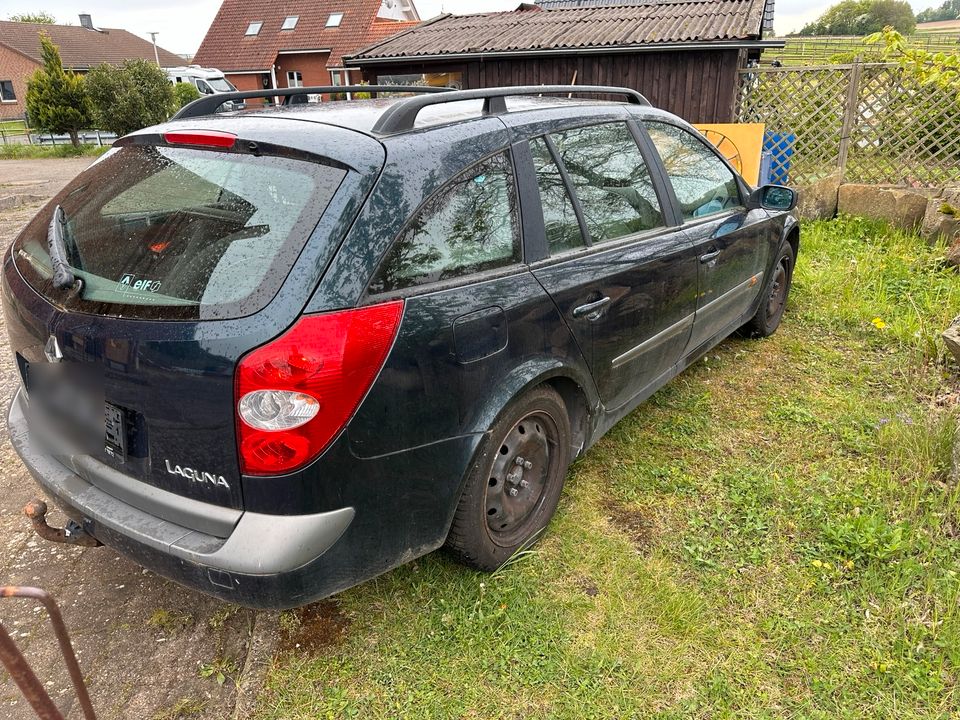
[228,48]
[80,47]
[532,29]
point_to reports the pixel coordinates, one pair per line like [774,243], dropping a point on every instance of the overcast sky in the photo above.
[181,24]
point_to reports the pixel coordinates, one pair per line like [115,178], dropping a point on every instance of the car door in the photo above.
[623,276]
[731,243]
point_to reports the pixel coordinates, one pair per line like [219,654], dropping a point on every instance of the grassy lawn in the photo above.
[774,534]
[34,152]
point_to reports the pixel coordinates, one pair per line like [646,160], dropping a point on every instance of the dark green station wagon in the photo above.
[328,339]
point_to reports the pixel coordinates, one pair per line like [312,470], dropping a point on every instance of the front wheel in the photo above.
[514,485]
[770,312]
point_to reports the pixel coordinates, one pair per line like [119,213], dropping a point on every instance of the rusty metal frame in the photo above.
[20,670]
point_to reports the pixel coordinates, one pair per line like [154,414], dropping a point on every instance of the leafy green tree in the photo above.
[929,68]
[57,100]
[130,96]
[950,10]
[184,94]
[40,17]
[862,17]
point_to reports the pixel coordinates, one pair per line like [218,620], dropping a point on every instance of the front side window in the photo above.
[559,217]
[704,185]
[204,88]
[610,179]
[470,226]
[6,91]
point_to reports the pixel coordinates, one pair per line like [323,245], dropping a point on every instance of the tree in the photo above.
[862,17]
[39,17]
[184,94]
[129,96]
[928,68]
[57,100]
[950,10]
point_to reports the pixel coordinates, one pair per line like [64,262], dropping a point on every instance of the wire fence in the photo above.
[872,122]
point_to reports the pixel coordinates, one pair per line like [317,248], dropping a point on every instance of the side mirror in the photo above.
[774,197]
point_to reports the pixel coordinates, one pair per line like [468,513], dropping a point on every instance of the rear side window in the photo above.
[704,185]
[559,217]
[610,179]
[178,233]
[469,226]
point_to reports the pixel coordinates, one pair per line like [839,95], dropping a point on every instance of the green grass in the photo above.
[33,152]
[13,126]
[774,534]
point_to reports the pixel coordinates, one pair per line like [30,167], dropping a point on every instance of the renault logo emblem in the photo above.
[52,350]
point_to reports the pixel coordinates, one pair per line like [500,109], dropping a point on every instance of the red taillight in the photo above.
[331,359]
[204,138]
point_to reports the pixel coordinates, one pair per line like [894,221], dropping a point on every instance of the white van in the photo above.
[209,81]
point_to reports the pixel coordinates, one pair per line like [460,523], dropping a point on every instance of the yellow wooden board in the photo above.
[741,144]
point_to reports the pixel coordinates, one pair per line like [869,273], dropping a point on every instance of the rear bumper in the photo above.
[267,561]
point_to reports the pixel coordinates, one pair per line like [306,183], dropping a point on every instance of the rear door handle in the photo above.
[709,257]
[592,311]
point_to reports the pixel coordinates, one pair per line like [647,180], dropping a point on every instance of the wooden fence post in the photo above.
[850,110]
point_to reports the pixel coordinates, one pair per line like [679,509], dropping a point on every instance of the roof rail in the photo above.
[402,116]
[208,104]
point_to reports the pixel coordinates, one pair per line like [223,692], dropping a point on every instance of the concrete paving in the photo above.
[147,647]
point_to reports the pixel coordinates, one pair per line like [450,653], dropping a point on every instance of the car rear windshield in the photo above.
[180,233]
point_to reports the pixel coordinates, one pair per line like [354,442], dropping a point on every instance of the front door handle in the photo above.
[592,311]
[709,257]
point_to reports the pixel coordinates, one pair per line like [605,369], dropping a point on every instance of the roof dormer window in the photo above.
[334,20]
[254,28]
[290,22]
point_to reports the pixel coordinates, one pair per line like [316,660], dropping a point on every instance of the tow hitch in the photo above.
[72,534]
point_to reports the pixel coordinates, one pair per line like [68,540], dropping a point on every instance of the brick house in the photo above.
[81,46]
[270,44]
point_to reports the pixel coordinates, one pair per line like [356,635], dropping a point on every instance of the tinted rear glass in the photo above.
[179,233]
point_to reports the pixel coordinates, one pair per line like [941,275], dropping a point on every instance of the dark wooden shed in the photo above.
[684,55]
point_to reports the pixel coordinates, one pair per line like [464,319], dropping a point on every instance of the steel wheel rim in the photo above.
[778,291]
[525,464]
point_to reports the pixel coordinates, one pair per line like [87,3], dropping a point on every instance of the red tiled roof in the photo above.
[81,48]
[532,29]
[227,47]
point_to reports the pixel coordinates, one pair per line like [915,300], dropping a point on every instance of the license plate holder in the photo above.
[115,432]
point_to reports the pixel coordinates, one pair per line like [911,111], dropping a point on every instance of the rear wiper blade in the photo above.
[63,276]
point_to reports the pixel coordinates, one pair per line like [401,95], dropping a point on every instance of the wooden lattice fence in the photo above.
[871,121]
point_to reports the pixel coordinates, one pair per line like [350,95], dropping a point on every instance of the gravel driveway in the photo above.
[148,648]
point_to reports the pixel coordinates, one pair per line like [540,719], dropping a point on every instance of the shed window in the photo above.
[6,91]
[254,28]
[470,226]
[334,20]
[290,22]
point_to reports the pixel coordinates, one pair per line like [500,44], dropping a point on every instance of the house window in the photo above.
[334,20]
[290,22]
[254,28]
[6,91]
[294,79]
[336,77]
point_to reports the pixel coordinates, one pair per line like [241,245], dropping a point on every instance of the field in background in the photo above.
[774,534]
[832,50]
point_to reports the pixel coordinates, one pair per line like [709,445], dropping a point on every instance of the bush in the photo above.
[184,94]
[57,100]
[130,96]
